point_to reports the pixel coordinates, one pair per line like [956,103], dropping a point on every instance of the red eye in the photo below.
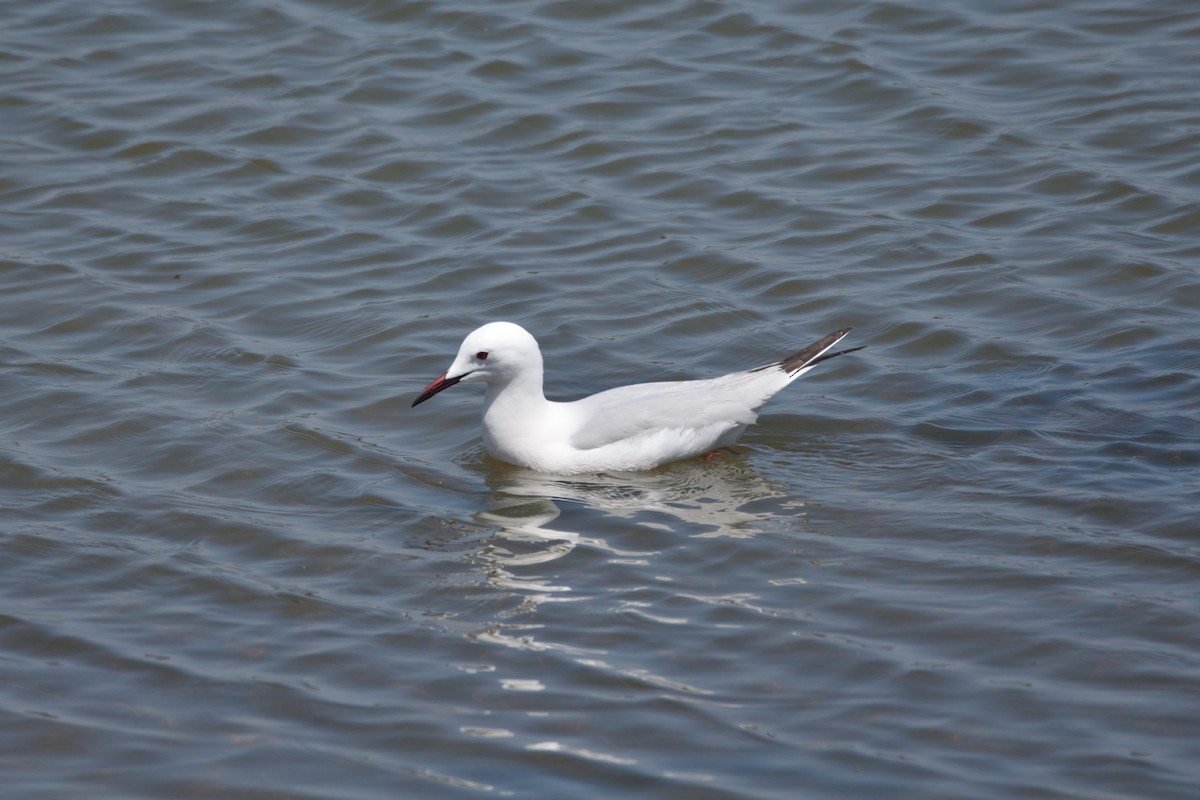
[481,355]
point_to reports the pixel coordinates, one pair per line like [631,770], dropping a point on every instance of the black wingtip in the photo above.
[827,356]
[815,352]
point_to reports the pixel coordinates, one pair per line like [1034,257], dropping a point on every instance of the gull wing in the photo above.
[715,405]
[628,412]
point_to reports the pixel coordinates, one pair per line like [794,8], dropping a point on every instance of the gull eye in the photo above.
[482,355]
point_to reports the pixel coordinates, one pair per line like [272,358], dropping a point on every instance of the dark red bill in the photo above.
[439,383]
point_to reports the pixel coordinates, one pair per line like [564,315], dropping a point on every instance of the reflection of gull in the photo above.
[523,524]
[711,496]
[709,499]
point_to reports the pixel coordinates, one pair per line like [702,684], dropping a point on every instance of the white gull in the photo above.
[626,429]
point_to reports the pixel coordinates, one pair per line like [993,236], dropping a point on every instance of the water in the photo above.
[235,241]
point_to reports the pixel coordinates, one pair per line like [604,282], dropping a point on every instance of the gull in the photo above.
[627,429]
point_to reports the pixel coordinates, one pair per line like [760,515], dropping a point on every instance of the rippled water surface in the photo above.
[236,239]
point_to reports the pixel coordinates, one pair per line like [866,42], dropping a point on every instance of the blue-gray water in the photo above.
[236,239]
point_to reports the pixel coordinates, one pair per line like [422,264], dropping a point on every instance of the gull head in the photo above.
[497,354]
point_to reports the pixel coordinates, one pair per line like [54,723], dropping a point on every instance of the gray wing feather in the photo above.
[630,411]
